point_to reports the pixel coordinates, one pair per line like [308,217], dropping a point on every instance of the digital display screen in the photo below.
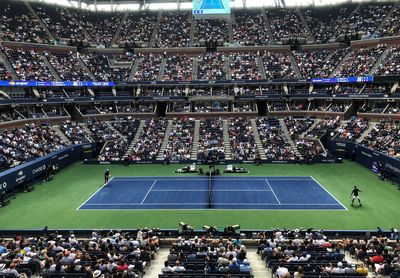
[210,7]
[352,79]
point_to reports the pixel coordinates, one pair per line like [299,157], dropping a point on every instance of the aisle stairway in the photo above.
[256,135]
[196,138]
[288,138]
[165,140]
[135,139]
[367,131]
[227,145]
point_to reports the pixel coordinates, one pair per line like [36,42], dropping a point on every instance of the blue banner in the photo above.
[18,83]
[351,79]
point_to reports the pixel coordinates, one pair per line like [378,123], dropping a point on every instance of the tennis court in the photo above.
[212,4]
[294,193]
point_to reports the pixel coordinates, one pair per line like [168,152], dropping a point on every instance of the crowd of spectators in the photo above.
[10,115]
[101,26]
[353,129]
[324,21]
[244,66]
[18,24]
[150,140]
[285,23]
[277,106]
[211,66]
[385,138]
[4,74]
[273,139]
[391,65]
[138,28]
[314,63]
[113,150]
[391,27]
[297,125]
[207,256]
[149,67]
[243,107]
[277,65]
[178,68]
[241,138]
[249,29]
[174,91]
[99,65]
[366,19]
[208,107]
[104,254]
[179,107]
[18,145]
[327,124]
[60,22]
[180,141]
[75,132]
[338,107]
[211,30]
[361,61]
[127,126]
[211,141]
[309,148]
[173,30]
[68,67]
[28,64]
[101,131]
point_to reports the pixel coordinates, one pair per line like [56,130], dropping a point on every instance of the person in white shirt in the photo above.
[282,272]
[178,267]
[166,268]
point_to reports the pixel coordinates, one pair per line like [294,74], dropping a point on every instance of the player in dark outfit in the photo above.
[106,176]
[354,195]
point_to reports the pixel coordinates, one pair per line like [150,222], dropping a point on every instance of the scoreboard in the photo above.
[211,8]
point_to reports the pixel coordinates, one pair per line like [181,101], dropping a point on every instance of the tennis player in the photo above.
[106,176]
[354,195]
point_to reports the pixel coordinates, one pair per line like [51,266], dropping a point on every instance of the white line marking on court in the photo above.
[94,193]
[272,191]
[214,190]
[148,192]
[329,193]
[235,204]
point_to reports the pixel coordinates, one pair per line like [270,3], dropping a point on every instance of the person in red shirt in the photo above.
[122,266]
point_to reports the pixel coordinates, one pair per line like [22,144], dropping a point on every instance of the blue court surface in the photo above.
[285,193]
[212,4]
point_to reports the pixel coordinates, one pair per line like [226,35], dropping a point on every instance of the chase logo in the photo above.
[11,83]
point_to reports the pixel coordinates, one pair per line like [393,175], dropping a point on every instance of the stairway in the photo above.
[157,264]
[227,66]
[257,139]
[196,138]
[294,65]
[261,68]
[83,65]
[288,138]
[61,134]
[135,139]
[257,264]
[345,58]
[134,69]
[367,131]
[305,23]
[116,131]
[379,61]
[344,23]
[87,35]
[309,129]
[50,67]
[165,141]
[162,68]
[230,28]
[121,24]
[192,30]
[7,64]
[195,68]
[155,30]
[87,131]
[227,145]
[388,15]
[29,7]
[268,26]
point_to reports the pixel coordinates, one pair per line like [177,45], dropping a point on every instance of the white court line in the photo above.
[94,193]
[272,191]
[329,193]
[214,190]
[148,192]
[232,204]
